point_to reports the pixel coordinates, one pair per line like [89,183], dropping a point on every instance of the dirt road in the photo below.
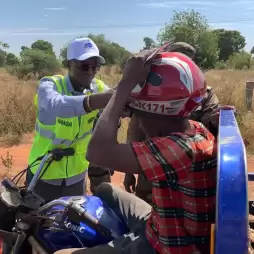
[20,155]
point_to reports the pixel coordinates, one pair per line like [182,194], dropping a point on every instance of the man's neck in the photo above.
[77,87]
[169,127]
[179,126]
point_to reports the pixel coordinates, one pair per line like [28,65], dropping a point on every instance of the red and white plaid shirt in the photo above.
[182,168]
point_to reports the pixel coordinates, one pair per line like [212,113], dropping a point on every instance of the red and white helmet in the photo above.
[175,86]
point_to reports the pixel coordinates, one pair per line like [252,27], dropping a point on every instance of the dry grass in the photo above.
[16,108]
[229,86]
[110,75]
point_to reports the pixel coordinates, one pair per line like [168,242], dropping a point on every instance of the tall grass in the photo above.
[229,86]
[16,107]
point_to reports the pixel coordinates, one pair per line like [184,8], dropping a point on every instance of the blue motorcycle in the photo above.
[28,225]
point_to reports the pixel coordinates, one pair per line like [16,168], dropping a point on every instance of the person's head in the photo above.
[84,61]
[173,89]
[182,47]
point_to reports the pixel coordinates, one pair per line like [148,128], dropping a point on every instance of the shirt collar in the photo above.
[73,92]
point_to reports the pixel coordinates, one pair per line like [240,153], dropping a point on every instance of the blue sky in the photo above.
[125,22]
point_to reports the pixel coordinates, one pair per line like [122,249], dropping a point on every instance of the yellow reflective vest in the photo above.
[74,132]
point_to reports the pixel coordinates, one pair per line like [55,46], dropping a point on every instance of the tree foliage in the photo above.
[252,50]
[149,43]
[41,62]
[239,61]
[4,45]
[192,27]
[2,57]
[3,53]
[230,42]
[44,46]
[38,60]
[11,59]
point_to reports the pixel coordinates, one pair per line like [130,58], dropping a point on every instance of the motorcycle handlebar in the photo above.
[68,205]
[79,211]
[56,155]
[49,205]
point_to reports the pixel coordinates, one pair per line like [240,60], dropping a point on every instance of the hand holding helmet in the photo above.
[137,68]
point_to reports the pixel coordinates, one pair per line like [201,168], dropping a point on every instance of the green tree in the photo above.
[240,61]
[3,53]
[230,42]
[207,50]
[149,43]
[39,60]
[2,57]
[192,27]
[63,55]
[23,48]
[11,59]
[42,63]
[252,50]
[35,62]
[111,51]
[23,51]
[44,46]
[4,45]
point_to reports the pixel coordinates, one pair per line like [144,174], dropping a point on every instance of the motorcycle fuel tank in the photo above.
[72,235]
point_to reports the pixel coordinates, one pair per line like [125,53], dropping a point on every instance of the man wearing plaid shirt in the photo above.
[205,113]
[178,157]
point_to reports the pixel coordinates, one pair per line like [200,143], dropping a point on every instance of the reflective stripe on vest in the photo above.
[58,141]
[76,134]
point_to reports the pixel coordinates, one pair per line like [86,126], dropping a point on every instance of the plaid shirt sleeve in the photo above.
[164,159]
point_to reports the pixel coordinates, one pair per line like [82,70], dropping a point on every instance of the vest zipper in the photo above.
[67,167]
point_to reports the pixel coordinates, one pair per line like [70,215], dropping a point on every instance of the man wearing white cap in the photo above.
[66,108]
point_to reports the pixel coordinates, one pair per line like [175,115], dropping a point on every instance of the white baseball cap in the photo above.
[83,48]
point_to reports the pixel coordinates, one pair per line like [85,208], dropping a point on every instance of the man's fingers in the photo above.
[146,55]
[227,107]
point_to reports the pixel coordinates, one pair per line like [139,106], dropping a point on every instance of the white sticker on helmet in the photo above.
[159,107]
[137,89]
[182,67]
